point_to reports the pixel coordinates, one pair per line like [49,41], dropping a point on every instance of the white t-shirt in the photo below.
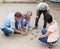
[55,32]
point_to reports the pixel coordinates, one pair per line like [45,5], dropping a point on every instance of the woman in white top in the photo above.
[52,34]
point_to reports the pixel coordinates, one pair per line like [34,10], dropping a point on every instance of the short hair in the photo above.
[48,18]
[18,14]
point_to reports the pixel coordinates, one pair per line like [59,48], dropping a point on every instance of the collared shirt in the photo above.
[9,21]
[40,5]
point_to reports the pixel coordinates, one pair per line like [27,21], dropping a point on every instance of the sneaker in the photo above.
[50,46]
[6,34]
[35,27]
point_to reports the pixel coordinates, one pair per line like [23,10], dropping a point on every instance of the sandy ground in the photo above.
[25,42]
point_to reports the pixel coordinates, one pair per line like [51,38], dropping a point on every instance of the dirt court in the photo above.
[29,41]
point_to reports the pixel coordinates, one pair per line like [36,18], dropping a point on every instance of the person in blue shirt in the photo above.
[10,24]
[41,8]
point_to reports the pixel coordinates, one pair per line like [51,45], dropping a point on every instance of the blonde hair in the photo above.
[29,12]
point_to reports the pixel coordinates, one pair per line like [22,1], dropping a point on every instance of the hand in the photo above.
[38,37]
[23,33]
[21,29]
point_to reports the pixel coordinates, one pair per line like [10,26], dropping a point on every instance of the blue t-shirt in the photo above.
[40,5]
[9,21]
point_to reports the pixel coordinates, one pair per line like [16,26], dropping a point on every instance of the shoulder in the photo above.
[10,15]
[53,26]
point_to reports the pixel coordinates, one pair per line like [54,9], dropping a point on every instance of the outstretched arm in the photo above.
[45,35]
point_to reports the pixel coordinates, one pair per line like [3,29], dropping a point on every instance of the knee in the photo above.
[44,31]
[7,30]
[41,39]
[24,20]
[3,28]
[29,26]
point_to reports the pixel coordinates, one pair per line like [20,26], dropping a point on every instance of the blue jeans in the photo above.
[23,24]
[44,40]
[8,30]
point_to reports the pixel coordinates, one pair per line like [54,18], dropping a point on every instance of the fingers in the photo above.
[38,37]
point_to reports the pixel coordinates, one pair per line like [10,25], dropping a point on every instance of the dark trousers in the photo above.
[39,14]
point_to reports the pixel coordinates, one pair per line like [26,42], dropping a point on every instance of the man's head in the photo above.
[29,14]
[49,18]
[43,6]
[18,16]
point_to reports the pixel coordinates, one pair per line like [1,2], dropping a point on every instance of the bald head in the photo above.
[43,6]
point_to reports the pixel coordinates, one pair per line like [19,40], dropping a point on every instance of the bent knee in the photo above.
[24,20]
